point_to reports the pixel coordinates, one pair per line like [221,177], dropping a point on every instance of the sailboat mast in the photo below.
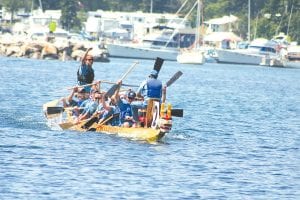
[249,30]
[198,21]
[41,5]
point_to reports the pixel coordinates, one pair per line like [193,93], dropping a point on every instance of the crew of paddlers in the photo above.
[124,108]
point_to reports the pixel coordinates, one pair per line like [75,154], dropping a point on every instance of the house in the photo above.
[136,24]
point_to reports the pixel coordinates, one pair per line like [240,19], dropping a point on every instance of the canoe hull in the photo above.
[145,134]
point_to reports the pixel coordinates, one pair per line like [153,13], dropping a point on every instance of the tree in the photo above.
[69,19]
[12,6]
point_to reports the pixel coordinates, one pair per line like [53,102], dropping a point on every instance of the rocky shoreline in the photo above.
[50,48]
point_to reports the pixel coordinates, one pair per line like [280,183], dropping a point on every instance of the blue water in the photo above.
[239,137]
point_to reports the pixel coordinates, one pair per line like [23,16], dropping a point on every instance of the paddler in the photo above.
[85,73]
[149,88]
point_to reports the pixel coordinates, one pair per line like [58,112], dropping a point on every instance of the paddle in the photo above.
[176,112]
[57,110]
[94,127]
[54,110]
[174,78]
[158,63]
[67,125]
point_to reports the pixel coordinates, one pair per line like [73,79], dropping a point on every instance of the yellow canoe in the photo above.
[144,134]
[155,129]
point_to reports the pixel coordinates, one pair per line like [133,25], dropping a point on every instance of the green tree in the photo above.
[12,6]
[69,19]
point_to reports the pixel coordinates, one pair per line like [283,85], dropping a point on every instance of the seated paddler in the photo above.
[124,105]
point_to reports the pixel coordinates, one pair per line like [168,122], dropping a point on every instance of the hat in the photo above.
[131,94]
[154,73]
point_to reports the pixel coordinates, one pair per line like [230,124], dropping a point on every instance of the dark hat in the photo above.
[154,73]
[131,94]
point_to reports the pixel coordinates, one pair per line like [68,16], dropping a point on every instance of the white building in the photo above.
[223,24]
[137,24]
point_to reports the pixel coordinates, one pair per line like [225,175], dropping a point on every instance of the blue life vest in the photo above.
[125,110]
[154,88]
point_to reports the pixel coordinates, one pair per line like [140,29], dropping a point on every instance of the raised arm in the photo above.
[85,54]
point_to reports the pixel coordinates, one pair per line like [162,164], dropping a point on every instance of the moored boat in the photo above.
[253,55]
[292,57]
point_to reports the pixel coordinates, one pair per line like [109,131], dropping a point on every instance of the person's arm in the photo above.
[117,92]
[85,54]
[141,88]
[104,104]
[70,97]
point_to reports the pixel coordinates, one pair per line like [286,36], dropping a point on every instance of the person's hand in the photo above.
[97,82]
[119,82]
[75,89]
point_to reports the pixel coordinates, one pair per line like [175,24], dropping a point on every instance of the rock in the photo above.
[49,52]
[28,49]
[12,50]
[77,54]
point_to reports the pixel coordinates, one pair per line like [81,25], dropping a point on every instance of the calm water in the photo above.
[239,137]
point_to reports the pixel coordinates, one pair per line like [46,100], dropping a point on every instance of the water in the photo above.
[239,137]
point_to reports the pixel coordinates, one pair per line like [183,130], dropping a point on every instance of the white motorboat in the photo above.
[150,48]
[253,55]
[292,58]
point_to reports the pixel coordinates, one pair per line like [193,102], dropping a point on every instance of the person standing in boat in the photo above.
[149,88]
[85,73]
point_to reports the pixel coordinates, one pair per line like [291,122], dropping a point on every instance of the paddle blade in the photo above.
[54,110]
[158,63]
[90,122]
[174,78]
[112,90]
[66,125]
[177,112]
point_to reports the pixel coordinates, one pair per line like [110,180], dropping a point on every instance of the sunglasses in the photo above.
[90,59]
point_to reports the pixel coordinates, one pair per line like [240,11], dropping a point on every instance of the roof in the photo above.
[222,20]
[221,36]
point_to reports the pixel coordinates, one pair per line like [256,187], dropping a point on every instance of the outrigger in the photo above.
[156,119]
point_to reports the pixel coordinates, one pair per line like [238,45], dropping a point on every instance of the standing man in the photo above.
[149,88]
[85,73]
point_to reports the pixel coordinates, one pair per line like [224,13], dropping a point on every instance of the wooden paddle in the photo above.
[158,63]
[57,110]
[176,112]
[67,125]
[96,125]
[174,78]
